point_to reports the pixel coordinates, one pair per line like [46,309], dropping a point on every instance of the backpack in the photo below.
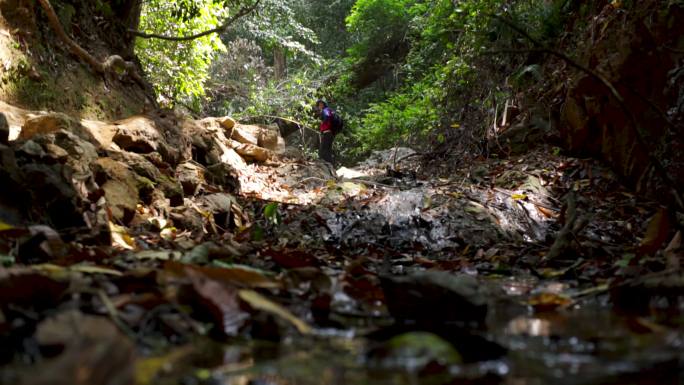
[337,123]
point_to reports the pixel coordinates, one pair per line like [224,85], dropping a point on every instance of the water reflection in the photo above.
[533,327]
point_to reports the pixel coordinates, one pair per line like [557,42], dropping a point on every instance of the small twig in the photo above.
[114,315]
[305,180]
[574,223]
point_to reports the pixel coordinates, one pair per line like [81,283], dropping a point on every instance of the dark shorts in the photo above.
[325,150]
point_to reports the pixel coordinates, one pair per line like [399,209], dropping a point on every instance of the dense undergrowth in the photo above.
[435,75]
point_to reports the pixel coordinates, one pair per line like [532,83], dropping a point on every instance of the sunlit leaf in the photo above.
[120,237]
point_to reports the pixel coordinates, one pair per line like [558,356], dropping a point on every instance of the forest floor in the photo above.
[524,270]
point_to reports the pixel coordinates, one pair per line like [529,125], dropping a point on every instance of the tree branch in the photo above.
[74,48]
[221,28]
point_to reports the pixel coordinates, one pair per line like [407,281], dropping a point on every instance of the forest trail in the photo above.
[209,252]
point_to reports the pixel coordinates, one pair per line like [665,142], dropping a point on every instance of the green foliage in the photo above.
[405,117]
[376,24]
[178,70]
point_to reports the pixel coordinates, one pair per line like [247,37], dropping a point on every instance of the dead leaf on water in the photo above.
[548,301]
[259,302]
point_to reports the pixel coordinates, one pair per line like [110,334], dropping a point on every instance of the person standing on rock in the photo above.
[327,133]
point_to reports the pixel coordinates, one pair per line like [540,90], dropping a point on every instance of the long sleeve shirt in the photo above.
[326,119]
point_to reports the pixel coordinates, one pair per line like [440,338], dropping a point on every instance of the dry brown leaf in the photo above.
[237,275]
[656,234]
[259,302]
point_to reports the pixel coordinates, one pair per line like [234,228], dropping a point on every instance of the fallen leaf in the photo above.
[120,237]
[220,300]
[546,212]
[90,269]
[236,275]
[656,233]
[259,302]
[4,226]
[673,251]
[519,197]
[548,301]
[291,259]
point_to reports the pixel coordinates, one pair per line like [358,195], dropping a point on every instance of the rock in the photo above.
[56,152]
[172,189]
[223,174]
[415,351]
[187,218]
[90,350]
[138,134]
[218,203]
[4,129]
[49,123]
[102,132]
[259,135]
[233,159]
[210,144]
[246,134]
[191,176]
[138,163]
[435,297]
[227,122]
[97,133]
[120,187]
[269,138]
[58,186]
[253,152]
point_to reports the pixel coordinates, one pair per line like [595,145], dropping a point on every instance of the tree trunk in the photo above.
[279,63]
[128,14]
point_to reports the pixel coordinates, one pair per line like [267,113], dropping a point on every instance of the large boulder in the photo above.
[98,133]
[435,297]
[191,176]
[54,171]
[138,134]
[253,152]
[120,187]
[258,135]
[269,138]
[219,205]
[244,133]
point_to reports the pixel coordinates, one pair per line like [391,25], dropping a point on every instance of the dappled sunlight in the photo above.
[367,192]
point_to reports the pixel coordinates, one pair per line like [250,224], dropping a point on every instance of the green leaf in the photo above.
[271,212]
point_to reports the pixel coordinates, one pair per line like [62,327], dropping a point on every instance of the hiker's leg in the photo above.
[325,150]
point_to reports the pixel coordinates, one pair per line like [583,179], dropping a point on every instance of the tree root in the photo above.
[574,223]
[110,68]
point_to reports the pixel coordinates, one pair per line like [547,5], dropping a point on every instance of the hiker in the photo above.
[327,133]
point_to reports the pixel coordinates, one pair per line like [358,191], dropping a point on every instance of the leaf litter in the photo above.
[303,273]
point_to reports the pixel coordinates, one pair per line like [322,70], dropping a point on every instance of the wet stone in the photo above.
[435,297]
